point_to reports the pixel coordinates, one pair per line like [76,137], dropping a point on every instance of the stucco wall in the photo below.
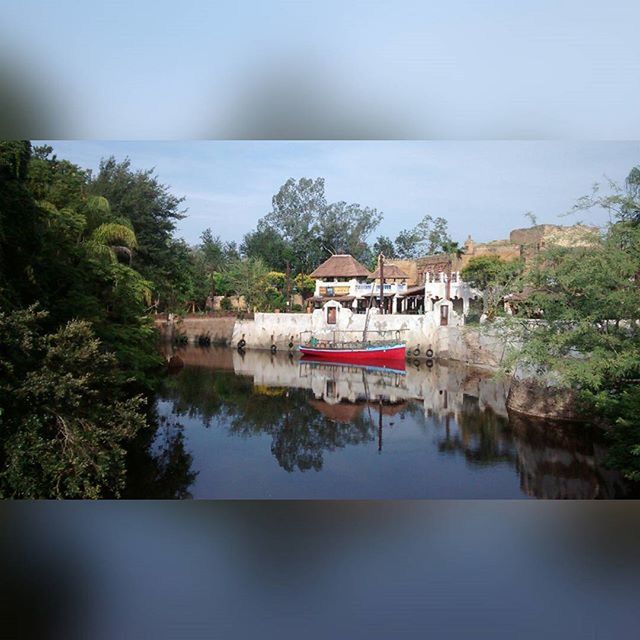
[418,331]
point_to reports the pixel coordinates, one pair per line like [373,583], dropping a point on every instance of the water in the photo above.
[256,425]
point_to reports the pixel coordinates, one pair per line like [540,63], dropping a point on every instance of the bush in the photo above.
[226,304]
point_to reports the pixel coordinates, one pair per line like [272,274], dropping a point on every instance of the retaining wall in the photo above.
[218,330]
[420,332]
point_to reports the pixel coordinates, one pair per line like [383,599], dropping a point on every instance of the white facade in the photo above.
[435,286]
[355,287]
[358,290]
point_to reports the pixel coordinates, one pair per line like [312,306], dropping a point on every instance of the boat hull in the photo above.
[373,355]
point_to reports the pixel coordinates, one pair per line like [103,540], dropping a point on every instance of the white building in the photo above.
[344,279]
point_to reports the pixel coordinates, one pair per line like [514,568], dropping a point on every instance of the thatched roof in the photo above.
[391,271]
[341,266]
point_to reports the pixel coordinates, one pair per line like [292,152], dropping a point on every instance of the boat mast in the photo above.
[371,299]
[381,265]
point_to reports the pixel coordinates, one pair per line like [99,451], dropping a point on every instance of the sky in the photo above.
[482,188]
[337,69]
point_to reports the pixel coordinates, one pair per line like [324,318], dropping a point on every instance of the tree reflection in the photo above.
[300,434]
[159,465]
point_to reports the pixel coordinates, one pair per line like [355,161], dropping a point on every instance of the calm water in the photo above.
[255,425]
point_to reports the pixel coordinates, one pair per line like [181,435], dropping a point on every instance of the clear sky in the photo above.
[481,188]
[330,69]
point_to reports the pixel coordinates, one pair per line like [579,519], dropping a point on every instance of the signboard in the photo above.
[334,291]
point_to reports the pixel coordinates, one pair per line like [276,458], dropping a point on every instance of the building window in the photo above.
[332,314]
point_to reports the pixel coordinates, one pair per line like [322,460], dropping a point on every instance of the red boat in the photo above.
[377,354]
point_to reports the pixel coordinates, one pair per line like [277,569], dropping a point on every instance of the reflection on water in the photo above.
[257,425]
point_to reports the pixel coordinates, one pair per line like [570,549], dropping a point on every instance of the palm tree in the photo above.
[114,240]
[111,237]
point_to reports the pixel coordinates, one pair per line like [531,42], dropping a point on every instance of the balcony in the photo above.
[365,289]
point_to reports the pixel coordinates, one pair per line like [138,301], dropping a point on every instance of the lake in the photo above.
[255,425]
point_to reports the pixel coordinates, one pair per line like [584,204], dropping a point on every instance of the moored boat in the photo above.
[358,353]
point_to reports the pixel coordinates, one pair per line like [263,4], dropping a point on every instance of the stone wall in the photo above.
[218,330]
[473,345]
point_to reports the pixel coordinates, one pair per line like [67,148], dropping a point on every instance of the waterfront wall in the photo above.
[218,330]
[420,332]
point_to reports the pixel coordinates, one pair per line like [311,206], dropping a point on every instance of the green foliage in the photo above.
[309,228]
[70,372]
[426,238]
[64,419]
[304,285]
[495,278]
[268,245]
[152,210]
[385,246]
[588,335]
[248,278]
[226,304]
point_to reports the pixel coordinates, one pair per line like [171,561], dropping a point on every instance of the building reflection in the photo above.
[310,408]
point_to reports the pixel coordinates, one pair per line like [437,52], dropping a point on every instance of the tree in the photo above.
[296,209]
[213,251]
[494,277]
[311,229]
[622,202]
[426,238]
[153,211]
[268,245]
[344,228]
[304,285]
[248,279]
[75,345]
[65,419]
[588,337]
[385,246]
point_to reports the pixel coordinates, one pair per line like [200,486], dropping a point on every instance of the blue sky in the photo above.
[283,69]
[481,188]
